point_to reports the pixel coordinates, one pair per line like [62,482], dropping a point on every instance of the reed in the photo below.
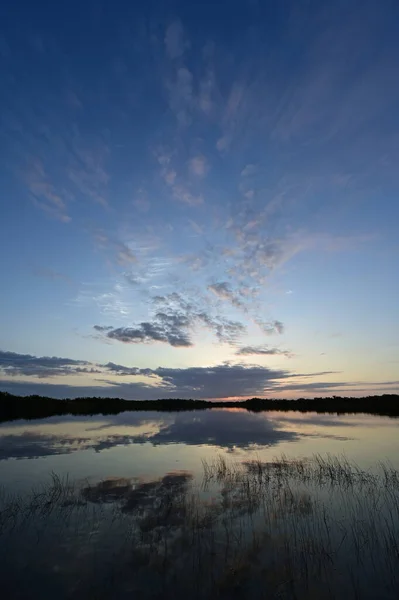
[319,527]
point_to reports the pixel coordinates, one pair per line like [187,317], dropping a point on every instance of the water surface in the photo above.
[221,503]
[149,444]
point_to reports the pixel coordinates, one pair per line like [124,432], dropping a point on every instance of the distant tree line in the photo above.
[37,407]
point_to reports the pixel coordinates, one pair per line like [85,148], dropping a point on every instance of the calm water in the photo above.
[144,523]
[150,444]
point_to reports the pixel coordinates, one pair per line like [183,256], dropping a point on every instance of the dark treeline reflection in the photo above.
[35,407]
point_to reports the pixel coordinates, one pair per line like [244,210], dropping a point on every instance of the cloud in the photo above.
[197,228]
[262,350]
[270,327]
[142,203]
[198,312]
[169,176]
[123,255]
[225,429]
[234,114]
[87,168]
[221,380]
[223,143]
[183,194]
[168,328]
[221,428]
[226,330]
[44,194]
[207,88]
[181,191]
[52,274]
[110,300]
[249,170]
[122,370]
[12,363]
[223,291]
[181,96]
[102,328]
[214,381]
[198,166]
[175,43]
[32,445]
[203,382]
[174,325]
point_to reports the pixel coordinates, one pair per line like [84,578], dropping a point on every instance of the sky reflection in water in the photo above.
[150,444]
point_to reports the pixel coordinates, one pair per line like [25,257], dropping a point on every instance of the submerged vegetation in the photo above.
[311,528]
[37,407]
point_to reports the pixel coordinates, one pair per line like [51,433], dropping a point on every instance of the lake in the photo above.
[93,505]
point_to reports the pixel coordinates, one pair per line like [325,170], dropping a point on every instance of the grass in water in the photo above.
[311,528]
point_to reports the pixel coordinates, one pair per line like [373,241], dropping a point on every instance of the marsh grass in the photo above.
[311,528]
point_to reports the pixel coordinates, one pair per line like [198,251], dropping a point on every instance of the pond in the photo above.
[211,503]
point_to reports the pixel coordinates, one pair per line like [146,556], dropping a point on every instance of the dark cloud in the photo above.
[155,503]
[221,428]
[221,380]
[168,328]
[12,363]
[32,444]
[317,386]
[173,323]
[218,427]
[217,381]
[121,369]
[245,388]
[262,350]
[102,328]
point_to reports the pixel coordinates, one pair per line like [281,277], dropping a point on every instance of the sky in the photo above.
[199,199]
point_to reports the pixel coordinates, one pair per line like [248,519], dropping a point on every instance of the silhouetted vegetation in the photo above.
[38,407]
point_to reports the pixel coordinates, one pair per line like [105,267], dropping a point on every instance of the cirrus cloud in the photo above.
[262,351]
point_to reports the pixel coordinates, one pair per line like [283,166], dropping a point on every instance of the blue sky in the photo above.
[199,199]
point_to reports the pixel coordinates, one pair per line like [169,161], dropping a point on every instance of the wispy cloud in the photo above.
[223,290]
[111,300]
[263,351]
[180,188]
[181,96]
[249,170]
[198,166]
[175,41]
[122,254]
[87,169]
[184,195]
[51,274]
[43,193]
[270,327]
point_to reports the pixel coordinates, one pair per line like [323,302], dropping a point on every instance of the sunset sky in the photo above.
[199,199]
